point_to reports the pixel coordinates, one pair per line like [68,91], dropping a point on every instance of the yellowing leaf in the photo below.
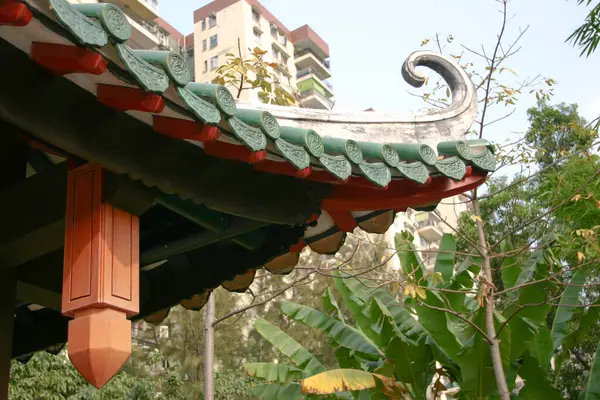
[342,380]
[476,218]
[580,256]
[421,292]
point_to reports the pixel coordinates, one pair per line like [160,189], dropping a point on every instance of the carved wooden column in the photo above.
[100,278]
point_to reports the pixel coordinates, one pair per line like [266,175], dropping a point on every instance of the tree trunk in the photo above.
[209,348]
[486,274]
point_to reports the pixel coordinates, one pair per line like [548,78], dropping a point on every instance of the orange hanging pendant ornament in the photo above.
[100,277]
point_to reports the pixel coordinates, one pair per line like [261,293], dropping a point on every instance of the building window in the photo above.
[257,36]
[276,54]
[283,39]
[274,31]
[204,45]
[256,16]
[212,21]
[204,24]
[213,41]
[214,62]
[205,65]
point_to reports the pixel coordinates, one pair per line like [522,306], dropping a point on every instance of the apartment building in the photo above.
[234,26]
[427,228]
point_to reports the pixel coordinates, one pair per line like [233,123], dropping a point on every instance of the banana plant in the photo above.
[434,339]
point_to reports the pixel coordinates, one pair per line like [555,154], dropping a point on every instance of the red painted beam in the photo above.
[125,99]
[234,152]
[65,59]
[283,168]
[185,129]
[344,220]
[14,13]
[399,194]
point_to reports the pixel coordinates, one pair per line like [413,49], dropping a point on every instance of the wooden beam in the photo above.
[32,294]
[8,284]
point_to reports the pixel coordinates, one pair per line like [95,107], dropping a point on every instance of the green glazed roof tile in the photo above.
[111,17]
[347,147]
[415,152]
[307,138]
[217,94]
[172,63]
[86,31]
[252,137]
[263,119]
[378,173]
[485,161]
[294,154]
[458,148]
[482,142]
[337,166]
[415,171]
[380,151]
[451,167]
[206,112]
[150,78]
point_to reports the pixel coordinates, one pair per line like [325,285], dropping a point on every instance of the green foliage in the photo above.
[254,74]
[587,36]
[556,131]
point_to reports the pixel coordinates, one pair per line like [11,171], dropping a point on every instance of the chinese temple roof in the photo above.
[222,188]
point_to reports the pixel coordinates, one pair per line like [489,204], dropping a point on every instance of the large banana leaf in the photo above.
[444,262]
[299,356]
[358,309]
[435,323]
[478,380]
[537,385]
[535,265]
[588,321]
[273,391]
[342,380]
[408,259]
[510,267]
[343,334]
[592,387]
[404,319]
[540,347]
[412,360]
[563,315]
[331,307]
[279,373]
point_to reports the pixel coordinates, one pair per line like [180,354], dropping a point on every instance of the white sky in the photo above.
[369,41]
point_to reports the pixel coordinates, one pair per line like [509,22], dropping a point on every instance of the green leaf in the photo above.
[444,262]
[435,322]
[273,391]
[279,373]
[588,321]
[592,387]
[404,319]
[331,306]
[299,356]
[563,315]
[413,360]
[510,267]
[408,258]
[343,334]
[537,385]
[540,347]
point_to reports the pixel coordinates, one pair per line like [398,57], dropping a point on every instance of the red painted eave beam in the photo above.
[234,152]
[14,13]
[129,99]
[185,129]
[66,59]
[399,195]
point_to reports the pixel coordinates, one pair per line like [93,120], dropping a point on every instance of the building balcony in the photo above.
[308,60]
[309,74]
[429,229]
[312,98]
[146,9]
